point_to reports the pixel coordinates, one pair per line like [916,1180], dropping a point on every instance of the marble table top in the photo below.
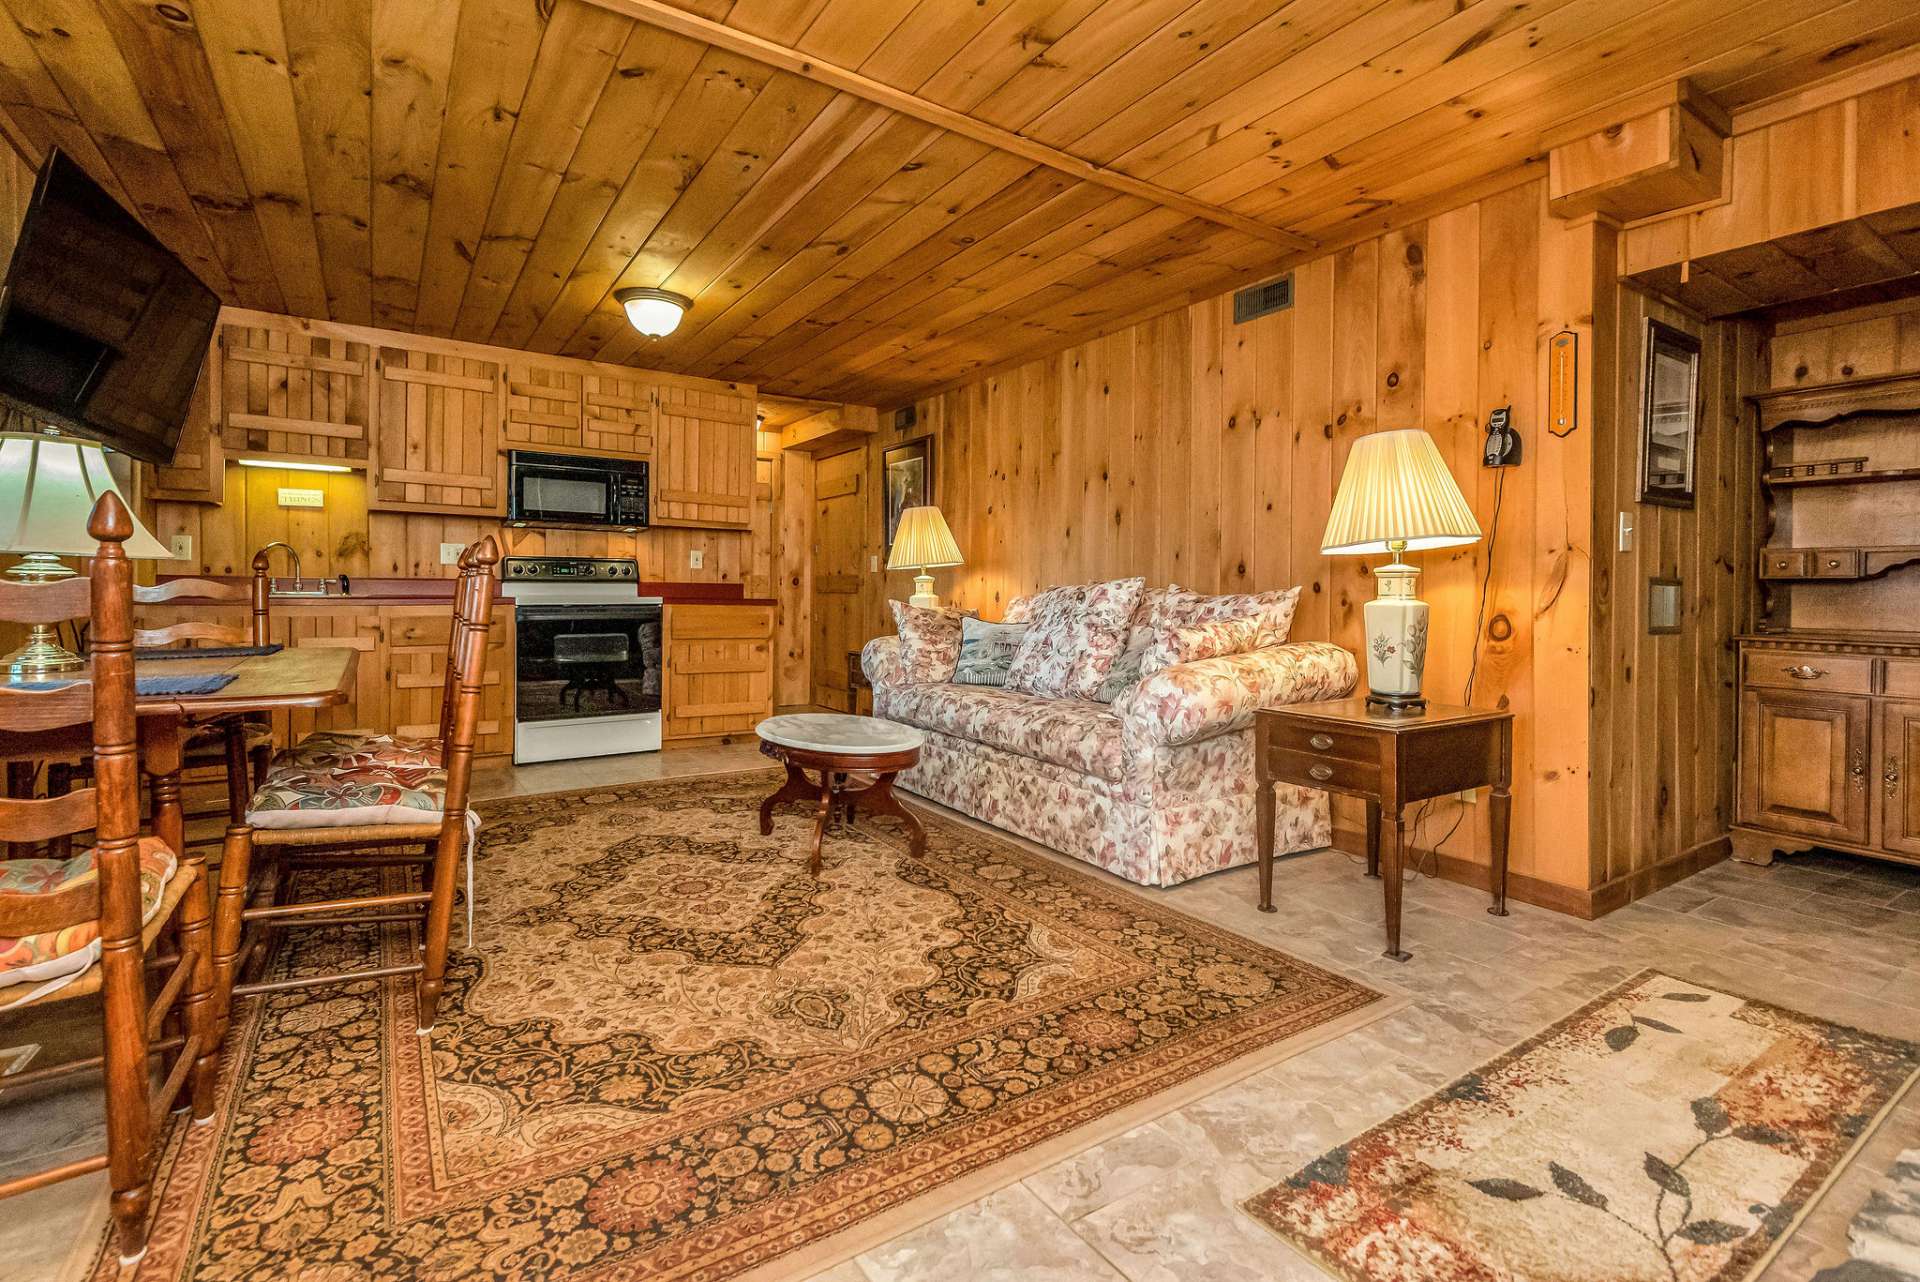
[838,732]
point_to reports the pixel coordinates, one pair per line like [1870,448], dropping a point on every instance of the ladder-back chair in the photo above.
[356,799]
[123,910]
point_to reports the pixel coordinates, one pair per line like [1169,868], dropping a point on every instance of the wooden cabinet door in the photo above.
[702,458]
[620,412]
[718,663]
[543,407]
[416,671]
[1892,778]
[438,434]
[293,396]
[356,627]
[198,472]
[1803,763]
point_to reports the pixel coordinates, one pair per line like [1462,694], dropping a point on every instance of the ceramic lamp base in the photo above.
[1396,643]
[923,597]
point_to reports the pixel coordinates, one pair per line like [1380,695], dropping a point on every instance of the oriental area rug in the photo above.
[1665,1132]
[673,1054]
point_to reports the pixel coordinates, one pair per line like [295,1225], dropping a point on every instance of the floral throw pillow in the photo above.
[1213,640]
[986,652]
[1074,634]
[929,641]
[1270,615]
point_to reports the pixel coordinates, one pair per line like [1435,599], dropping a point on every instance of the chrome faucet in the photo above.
[298,578]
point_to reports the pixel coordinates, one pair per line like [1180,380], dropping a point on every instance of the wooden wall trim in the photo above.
[375,336]
[656,13]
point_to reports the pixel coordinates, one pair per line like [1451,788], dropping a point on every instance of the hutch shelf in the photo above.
[1830,677]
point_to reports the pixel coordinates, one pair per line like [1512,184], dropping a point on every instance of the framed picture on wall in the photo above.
[906,472]
[1670,414]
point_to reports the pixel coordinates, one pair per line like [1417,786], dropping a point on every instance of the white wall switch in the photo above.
[182,546]
[873,564]
[696,558]
[450,553]
[291,497]
[1626,533]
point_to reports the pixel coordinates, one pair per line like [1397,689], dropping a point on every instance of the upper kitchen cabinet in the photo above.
[703,456]
[598,409]
[438,440]
[198,471]
[291,396]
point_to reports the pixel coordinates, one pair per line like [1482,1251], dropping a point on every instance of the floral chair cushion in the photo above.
[929,640]
[357,787]
[1074,634]
[360,747]
[1078,735]
[210,737]
[56,957]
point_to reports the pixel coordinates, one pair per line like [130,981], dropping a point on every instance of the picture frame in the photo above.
[906,480]
[1669,415]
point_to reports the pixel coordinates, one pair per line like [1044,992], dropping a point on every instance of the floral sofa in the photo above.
[1156,787]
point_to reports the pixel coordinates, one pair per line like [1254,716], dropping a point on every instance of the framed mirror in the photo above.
[1670,413]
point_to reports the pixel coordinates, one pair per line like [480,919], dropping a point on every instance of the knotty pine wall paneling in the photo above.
[1193,450]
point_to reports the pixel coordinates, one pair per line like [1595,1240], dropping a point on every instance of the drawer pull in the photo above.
[1320,743]
[1322,773]
[1891,776]
[1804,671]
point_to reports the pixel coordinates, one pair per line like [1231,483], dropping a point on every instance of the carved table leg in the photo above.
[796,788]
[821,820]
[879,800]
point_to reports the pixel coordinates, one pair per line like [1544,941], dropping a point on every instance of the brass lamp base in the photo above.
[42,655]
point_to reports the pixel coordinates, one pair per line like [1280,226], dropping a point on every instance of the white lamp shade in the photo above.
[654,312]
[48,486]
[1396,490]
[923,541]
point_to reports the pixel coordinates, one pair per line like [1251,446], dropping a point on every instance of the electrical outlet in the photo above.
[1468,796]
[450,553]
[696,558]
[182,547]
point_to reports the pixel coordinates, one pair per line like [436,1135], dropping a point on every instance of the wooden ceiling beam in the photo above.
[657,13]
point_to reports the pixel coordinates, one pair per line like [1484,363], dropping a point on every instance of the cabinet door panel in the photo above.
[543,407]
[439,434]
[1803,763]
[619,414]
[719,670]
[416,674]
[703,469]
[1898,801]
[294,396]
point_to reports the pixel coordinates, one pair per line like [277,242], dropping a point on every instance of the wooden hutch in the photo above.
[1830,676]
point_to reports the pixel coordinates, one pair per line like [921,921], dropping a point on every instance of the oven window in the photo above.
[559,494]
[577,661]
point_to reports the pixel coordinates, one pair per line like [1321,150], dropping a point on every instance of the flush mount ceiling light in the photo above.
[654,312]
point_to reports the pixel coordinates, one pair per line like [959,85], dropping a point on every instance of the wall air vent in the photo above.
[1256,301]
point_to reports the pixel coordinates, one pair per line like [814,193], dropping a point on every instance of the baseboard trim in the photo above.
[1587,904]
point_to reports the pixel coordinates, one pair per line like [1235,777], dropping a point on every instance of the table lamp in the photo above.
[48,486]
[923,542]
[1396,496]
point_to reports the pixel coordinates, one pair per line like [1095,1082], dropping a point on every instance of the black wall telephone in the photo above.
[1503,441]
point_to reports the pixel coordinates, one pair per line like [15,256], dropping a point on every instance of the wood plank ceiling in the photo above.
[893,194]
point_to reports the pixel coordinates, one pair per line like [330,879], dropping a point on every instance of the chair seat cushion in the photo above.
[348,790]
[335,748]
[60,955]
[209,739]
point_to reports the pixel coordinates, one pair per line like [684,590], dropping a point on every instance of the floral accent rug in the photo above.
[1665,1132]
[678,1056]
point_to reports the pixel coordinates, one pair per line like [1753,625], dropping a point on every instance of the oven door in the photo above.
[577,662]
[556,492]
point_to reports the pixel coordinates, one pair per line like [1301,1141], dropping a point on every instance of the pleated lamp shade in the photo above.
[1397,491]
[923,541]
[48,486]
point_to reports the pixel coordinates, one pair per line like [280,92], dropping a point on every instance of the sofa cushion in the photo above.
[929,640]
[986,651]
[65,953]
[1073,637]
[1071,733]
[1272,610]
[1197,641]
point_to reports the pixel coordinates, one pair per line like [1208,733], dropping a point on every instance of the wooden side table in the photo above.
[1389,763]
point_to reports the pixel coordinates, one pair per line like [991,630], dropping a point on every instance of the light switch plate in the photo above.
[182,547]
[696,558]
[1626,533]
[873,564]
[450,553]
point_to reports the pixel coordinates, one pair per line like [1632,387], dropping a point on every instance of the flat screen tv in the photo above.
[102,329]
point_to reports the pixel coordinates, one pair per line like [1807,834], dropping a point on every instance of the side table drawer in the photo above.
[1294,736]
[1314,770]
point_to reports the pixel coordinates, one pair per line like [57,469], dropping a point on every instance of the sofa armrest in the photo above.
[1192,701]
[880,660]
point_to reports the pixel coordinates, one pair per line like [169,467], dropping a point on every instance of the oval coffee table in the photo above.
[856,757]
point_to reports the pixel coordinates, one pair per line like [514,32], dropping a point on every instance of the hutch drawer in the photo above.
[1784,563]
[1810,670]
[1902,680]
[1835,563]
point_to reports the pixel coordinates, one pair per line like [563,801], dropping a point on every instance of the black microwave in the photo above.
[582,491]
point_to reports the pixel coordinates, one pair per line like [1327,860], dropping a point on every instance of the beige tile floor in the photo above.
[1835,937]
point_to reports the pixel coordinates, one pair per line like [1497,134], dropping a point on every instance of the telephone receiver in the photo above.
[1503,441]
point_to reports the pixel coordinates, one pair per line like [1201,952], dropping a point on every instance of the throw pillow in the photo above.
[1125,672]
[1073,637]
[929,641]
[1269,613]
[986,651]
[1201,641]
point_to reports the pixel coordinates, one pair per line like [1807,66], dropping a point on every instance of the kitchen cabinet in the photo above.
[292,396]
[703,459]
[718,662]
[438,437]
[198,471]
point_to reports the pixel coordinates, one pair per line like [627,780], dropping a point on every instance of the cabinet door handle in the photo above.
[1319,743]
[1858,773]
[1324,773]
[1891,776]
[1804,672]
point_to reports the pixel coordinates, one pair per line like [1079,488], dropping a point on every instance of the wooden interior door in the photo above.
[1804,763]
[839,549]
[1892,779]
